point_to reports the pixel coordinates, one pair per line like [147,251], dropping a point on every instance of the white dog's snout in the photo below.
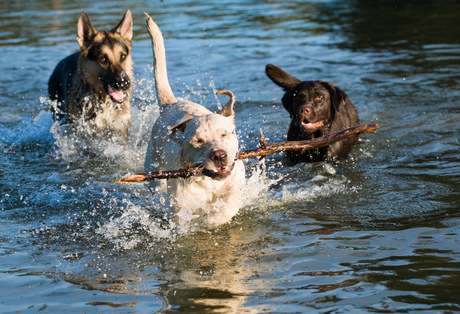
[219,157]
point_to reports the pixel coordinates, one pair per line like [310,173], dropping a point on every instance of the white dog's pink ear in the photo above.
[181,124]
[227,110]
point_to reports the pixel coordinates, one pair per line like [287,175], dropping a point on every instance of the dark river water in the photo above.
[378,232]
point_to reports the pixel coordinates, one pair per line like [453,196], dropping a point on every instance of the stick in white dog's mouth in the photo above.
[219,173]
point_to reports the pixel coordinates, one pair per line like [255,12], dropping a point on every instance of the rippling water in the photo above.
[375,233]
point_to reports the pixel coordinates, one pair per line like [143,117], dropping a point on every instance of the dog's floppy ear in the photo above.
[85,31]
[125,27]
[287,104]
[180,125]
[338,97]
[281,78]
[227,110]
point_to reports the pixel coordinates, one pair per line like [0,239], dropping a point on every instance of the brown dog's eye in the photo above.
[102,60]
[318,98]
[123,56]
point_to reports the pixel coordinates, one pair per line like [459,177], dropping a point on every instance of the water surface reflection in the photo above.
[375,233]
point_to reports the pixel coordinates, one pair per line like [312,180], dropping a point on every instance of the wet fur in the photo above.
[311,102]
[80,82]
[188,133]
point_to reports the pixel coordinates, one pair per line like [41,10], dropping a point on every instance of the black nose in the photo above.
[219,157]
[123,82]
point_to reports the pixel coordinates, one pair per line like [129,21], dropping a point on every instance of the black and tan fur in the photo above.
[94,85]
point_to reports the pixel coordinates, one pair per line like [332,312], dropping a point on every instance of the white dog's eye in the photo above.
[198,141]
[227,133]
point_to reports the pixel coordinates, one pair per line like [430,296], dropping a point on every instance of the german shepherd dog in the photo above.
[94,85]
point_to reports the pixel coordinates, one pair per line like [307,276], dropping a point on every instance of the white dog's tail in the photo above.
[164,93]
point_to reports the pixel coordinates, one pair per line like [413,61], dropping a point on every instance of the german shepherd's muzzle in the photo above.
[94,85]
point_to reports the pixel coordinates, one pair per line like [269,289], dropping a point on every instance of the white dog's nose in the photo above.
[219,158]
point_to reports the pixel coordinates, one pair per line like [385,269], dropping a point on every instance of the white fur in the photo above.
[188,133]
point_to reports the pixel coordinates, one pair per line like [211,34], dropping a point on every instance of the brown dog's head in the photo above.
[312,105]
[105,61]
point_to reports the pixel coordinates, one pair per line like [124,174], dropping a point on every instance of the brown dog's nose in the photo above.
[305,110]
[219,157]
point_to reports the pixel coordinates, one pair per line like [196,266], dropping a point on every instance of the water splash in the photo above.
[147,214]
[29,132]
[133,213]
[128,230]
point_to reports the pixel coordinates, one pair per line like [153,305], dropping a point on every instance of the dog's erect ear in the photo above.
[338,97]
[227,110]
[85,31]
[180,125]
[281,78]
[125,27]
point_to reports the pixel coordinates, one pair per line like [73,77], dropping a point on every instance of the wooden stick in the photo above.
[264,150]
[165,174]
[267,148]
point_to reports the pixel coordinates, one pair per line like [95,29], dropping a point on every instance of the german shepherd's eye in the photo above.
[123,56]
[102,60]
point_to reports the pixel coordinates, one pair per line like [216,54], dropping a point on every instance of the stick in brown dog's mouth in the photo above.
[311,126]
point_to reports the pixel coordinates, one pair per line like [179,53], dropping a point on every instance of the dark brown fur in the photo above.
[94,85]
[316,108]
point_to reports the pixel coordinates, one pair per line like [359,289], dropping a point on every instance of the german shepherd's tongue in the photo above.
[117,95]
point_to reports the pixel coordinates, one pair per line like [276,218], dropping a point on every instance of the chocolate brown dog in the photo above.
[94,85]
[316,108]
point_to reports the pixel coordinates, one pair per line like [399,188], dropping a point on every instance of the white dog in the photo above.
[188,133]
